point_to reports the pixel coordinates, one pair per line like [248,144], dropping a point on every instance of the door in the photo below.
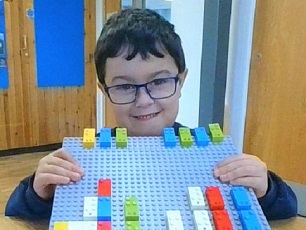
[32,116]
[276,112]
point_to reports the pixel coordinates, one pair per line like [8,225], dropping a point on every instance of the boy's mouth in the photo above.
[146,117]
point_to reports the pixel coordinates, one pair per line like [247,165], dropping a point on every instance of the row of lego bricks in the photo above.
[216,206]
[185,137]
[99,209]
[83,225]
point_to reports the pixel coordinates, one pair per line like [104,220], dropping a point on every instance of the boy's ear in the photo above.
[101,87]
[182,77]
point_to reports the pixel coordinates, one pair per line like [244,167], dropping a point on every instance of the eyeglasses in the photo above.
[157,89]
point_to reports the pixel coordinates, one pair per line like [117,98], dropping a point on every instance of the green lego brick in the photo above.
[185,137]
[132,225]
[131,210]
[216,133]
[121,137]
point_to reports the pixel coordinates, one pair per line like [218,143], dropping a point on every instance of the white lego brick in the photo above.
[90,212]
[174,220]
[201,220]
[196,198]
[75,225]
[90,225]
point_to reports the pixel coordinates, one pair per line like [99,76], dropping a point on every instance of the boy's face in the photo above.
[145,116]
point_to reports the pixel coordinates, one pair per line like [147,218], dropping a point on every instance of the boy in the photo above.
[141,69]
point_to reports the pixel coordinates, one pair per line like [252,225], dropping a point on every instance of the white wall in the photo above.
[188,18]
[239,58]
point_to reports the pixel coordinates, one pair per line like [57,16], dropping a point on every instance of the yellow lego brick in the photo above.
[89,138]
[60,226]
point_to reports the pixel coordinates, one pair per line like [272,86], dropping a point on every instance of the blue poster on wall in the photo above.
[4,78]
[59,36]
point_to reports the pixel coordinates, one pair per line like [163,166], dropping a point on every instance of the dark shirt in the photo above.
[279,203]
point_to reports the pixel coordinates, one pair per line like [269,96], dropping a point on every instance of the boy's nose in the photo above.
[143,99]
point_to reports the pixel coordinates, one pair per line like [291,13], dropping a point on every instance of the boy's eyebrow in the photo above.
[152,75]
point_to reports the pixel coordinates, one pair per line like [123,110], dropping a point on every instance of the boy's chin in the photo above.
[145,131]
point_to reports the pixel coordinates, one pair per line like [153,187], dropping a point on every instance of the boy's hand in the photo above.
[245,170]
[58,167]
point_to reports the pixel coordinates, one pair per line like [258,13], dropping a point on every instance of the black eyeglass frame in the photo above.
[138,86]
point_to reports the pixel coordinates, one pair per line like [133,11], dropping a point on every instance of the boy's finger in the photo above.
[56,170]
[246,181]
[54,179]
[66,165]
[231,159]
[232,165]
[241,172]
[64,154]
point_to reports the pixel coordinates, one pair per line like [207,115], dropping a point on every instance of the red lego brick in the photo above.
[104,225]
[214,198]
[105,188]
[222,220]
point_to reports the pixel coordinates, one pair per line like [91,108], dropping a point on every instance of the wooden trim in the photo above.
[18,151]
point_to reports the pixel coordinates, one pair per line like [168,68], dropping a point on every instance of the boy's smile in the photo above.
[145,116]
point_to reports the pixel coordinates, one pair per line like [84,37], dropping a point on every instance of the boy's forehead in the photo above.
[120,66]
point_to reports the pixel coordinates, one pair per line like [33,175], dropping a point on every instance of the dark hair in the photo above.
[139,31]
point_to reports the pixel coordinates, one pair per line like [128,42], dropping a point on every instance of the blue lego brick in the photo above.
[201,136]
[105,138]
[156,175]
[240,198]
[249,220]
[169,137]
[104,209]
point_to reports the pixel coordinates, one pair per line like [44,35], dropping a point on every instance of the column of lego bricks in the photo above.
[216,206]
[131,214]
[243,205]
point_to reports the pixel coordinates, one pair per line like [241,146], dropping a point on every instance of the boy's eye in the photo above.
[160,81]
[125,87]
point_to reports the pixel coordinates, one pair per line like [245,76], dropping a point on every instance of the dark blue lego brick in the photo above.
[249,220]
[201,136]
[104,209]
[105,138]
[240,198]
[169,137]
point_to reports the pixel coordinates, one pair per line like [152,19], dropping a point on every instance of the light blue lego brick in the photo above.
[201,136]
[169,137]
[104,209]
[240,197]
[105,138]
[249,220]
[158,176]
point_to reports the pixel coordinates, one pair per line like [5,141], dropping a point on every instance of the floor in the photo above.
[12,170]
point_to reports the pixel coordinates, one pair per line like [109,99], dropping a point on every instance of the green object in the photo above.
[132,225]
[121,137]
[216,133]
[185,137]
[131,210]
